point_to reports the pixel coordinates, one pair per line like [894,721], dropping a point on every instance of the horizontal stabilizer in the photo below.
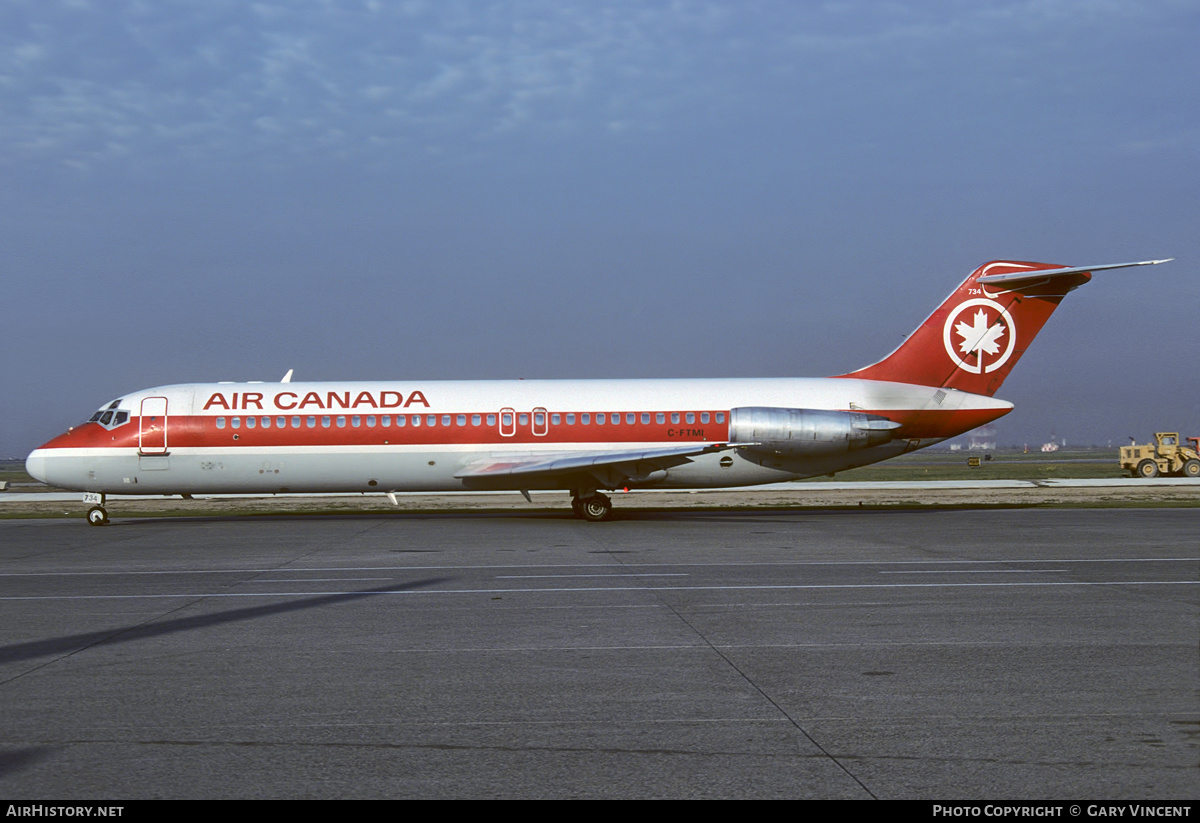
[1043,274]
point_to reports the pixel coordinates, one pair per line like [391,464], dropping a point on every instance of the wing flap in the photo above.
[561,463]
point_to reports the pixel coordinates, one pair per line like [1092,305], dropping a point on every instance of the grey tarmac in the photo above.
[969,654]
[1161,491]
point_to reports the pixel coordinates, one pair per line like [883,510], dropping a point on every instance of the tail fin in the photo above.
[973,340]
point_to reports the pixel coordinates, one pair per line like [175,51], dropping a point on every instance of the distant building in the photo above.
[982,439]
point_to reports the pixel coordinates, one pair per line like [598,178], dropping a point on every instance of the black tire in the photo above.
[97,516]
[1191,468]
[1147,468]
[596,508]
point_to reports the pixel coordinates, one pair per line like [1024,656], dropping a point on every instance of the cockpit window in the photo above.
[109,416]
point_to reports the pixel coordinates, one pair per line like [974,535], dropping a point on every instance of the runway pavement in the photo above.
[976,654]
[1122,492]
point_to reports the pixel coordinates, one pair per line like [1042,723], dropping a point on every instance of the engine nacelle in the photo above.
[800,432]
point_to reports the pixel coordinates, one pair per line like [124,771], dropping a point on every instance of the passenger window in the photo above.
[431,419]
[445,420]
[506,419]
[600,419]
[251,422]
[630,418]
[356,421]
[385,421]
[720,417]
[523,419]
[220,422]
[660,417]
[416,421]
[645,418]
[295,422]
[236,422]
[491,420]
[341,421]
[476,420]
[585,419]
[703,417]
[691,417]
[325,421]
[311,422]
[461,420]
[570,419]
[266,422]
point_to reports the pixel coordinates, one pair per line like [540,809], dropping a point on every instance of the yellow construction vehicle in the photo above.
[1164,456]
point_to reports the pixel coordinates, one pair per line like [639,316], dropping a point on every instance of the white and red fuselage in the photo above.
[575,435]
[304,437]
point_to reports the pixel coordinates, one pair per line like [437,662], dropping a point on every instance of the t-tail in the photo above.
[973,340]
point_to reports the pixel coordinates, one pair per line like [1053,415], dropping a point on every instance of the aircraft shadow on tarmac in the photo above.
[18,760]
[34,649]
[725,515]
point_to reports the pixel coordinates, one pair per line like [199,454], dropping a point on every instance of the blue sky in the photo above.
[414,190]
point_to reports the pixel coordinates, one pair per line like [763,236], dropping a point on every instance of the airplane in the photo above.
[579,436]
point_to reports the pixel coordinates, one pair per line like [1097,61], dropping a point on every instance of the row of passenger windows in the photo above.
[370,421]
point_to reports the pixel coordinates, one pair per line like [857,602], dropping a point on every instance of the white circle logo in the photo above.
[979,335]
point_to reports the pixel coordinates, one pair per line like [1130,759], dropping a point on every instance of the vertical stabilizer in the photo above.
[972,341]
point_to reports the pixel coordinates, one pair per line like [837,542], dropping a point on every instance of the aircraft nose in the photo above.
[35,464]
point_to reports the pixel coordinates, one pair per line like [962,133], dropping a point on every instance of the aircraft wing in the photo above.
[611,468]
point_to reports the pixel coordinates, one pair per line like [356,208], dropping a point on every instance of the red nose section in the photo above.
[90,436]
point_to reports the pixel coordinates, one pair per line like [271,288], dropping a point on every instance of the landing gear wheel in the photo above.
[1191,468]
[97,516]
[596,508]
[1147,468]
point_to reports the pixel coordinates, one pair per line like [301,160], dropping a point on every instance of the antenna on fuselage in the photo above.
[287,378]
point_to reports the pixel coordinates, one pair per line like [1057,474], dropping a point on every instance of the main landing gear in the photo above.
[594,507]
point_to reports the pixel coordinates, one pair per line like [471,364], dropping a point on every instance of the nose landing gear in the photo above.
[97,515]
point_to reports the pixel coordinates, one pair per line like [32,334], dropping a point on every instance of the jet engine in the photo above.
[807,432]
